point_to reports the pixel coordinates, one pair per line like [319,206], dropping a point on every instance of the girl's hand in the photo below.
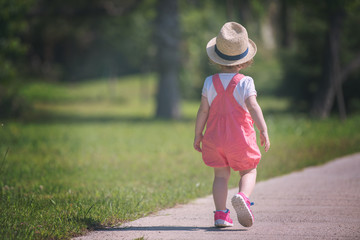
[197,141]
[264,140]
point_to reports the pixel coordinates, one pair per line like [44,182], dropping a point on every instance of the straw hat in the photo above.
[232,46]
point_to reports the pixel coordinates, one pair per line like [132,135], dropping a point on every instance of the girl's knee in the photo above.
[248,171]
[223,172]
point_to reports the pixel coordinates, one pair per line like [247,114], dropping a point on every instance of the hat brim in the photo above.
[210,49]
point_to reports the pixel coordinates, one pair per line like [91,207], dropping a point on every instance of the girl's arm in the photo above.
[201,119]
[257,116]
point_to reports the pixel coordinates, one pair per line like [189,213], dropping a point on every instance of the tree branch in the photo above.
[353,65]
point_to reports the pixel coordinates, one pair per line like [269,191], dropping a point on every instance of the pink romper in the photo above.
[230,138]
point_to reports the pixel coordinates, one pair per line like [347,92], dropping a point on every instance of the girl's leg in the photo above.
[240,202]
[247,181]
[220,187]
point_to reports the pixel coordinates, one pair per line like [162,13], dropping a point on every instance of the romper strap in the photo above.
[234,81]
[217,84]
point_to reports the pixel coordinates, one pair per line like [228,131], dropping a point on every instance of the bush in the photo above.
[11,104]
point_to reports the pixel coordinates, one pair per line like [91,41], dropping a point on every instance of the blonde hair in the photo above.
[242,66]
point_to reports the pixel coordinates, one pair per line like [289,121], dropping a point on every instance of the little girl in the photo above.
[229,109]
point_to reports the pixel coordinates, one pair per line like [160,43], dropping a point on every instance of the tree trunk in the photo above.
[230,10]
[167,40]
[244,10]
[268,26]
[331,84]
[284,24]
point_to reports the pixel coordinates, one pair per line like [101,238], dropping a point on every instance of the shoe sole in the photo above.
[222,224]
[244,215]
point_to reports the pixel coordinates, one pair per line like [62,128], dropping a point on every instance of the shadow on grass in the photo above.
[270,111]
[171,228]
[89,222]
[53,118]
[48,116]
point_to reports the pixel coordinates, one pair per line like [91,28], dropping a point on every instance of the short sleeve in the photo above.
[204,91]
[206,87]
[249,88]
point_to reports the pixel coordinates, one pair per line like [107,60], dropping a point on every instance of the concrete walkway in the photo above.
[316,203]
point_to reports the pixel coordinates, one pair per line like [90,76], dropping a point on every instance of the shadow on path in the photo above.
[171,228]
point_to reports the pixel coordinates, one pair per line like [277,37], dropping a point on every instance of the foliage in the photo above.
[304,61]
[12,47]
[87,160]
[77,40]
[12,52]
[200,22]
[89,39]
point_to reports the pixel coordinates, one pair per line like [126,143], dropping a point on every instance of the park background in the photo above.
[98,101]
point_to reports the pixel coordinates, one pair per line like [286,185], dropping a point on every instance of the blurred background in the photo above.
[308,54]
[98,100]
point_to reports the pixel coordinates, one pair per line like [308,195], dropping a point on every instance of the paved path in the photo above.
[316,203]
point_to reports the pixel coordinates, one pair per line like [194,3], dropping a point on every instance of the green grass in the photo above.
[89,156]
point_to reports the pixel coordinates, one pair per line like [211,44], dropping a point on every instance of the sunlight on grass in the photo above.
[105,109]
[128,89]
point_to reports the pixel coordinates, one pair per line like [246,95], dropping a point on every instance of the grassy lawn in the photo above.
[91,155]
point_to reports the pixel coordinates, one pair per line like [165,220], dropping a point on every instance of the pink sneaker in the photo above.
[242,205]
[223,219]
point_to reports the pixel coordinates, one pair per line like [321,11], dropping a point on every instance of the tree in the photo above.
[333,75]
[12,52]
[331,85]
[167,37]
[284,37]
[72,40]
[321,54]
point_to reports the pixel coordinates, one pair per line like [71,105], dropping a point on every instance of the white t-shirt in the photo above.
[244,89]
